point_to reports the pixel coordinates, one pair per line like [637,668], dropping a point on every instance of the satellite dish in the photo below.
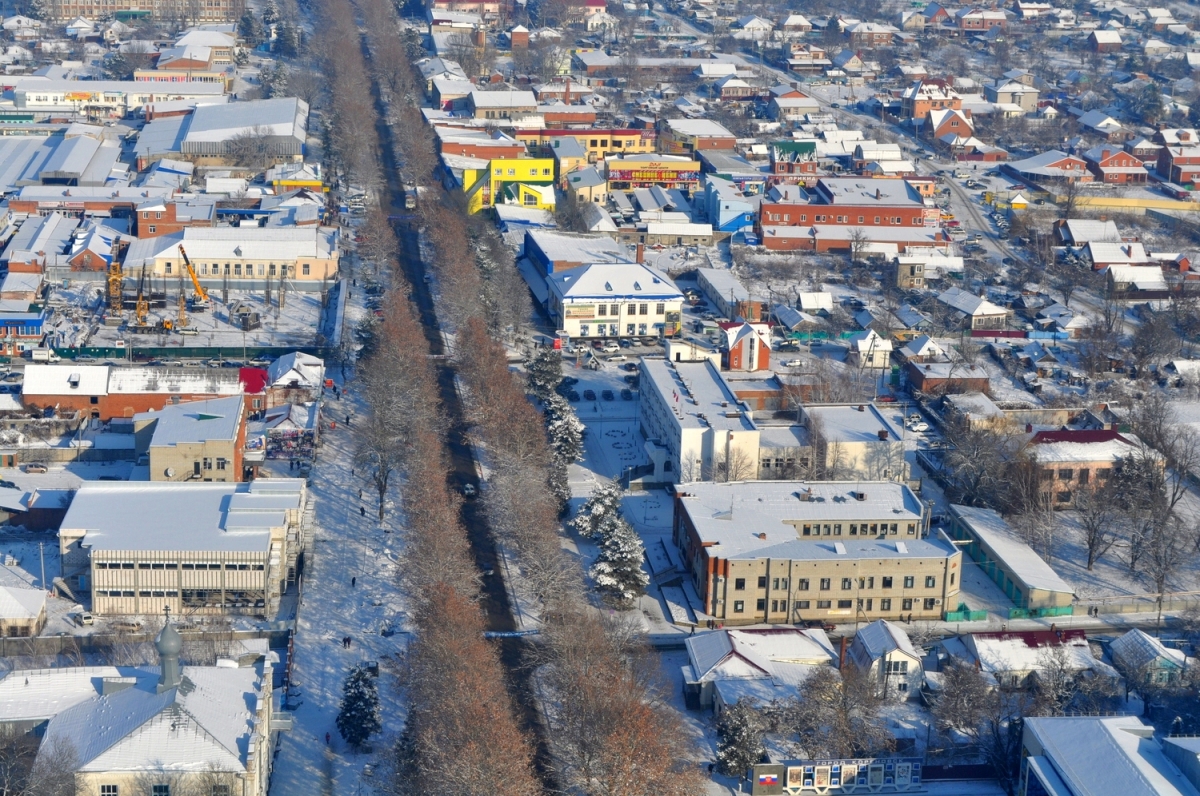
[170,472]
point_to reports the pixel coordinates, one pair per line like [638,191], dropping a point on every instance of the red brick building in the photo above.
[1115,165]
[1179,164]
[846,201]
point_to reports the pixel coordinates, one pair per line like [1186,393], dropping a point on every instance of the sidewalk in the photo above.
[345,545]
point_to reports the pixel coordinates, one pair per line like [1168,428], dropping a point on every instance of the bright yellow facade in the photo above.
[528,182]
[598,144]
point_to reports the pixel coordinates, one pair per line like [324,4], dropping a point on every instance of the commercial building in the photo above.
[782,552]
[598,143]
[196,441]
[184,11]
[627,172]
[615,300]
[1105,754]
[551,251]
[858,202]
[103,392]
[205,548]
[1075,459]
[528,182]
[689,136]
[1004,557]
[211,134]
[104,97]
[307,255]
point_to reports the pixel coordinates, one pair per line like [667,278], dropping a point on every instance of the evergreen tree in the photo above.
[600,512]
[274,80]
[270,13]
[564,430]
[740,738]
[250,29]
[359,718]
[288,40]
[41,9]
[544,373]
[618,569]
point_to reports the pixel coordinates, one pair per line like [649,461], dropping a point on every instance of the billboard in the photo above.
[655,171]
[78,96]
[579,311]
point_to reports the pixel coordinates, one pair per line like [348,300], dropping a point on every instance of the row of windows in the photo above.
[1068,474]
[885,604]
[513,172]
[802,584]
[162,790]
[263,270]
[821,219]
[630,309]
[856,529]
[172,565]
[585,330]
[140,593]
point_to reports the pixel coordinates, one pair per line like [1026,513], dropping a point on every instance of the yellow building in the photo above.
[528,182]
[598,144]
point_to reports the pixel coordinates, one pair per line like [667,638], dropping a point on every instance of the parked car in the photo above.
[589,395]
[627,394]
[610,347]
[920,428]
[608,395]
[793,363]
[36,467]
[626,344]
[618,358]
[630,366]
[573,397]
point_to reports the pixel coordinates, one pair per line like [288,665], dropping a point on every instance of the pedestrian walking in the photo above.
[362,510]
[327,739]
[351,471]
[360,494]
[347,419]
[353,581]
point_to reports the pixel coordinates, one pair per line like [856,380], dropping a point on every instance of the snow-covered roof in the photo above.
[40,694]
[204,516]
[878,639]
[1141,277]
[1083,230]
[1135,649]
[617,281]
[195,421]
[175,381]
[206,721]
[305,370]
[240,243]
[785,655]
[1118,252]
[1026,651]
[65,379]
[969,304]
[17,603]
[1003,545]
[1053,447]
[1098,756]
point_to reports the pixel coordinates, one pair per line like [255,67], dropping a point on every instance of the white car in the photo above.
[610,347]
[920,428]
[793,363]
[618,358]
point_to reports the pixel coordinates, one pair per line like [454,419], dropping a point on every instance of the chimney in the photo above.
[878,194]
[883,435]
[862,408]
[762,536]
[567,93]
[479,36]
[641,252]
[1029,428]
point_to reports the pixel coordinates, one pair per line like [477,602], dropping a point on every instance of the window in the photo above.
[761,605]
[168,268]
[779,584]
[739,606]
[739,584]
[847,584]
[529,200]
[824,584]
[762,582]
[109,790]
[303,269]
[221,464]
[930,582]
[1063,497]
[160,790]
[207,463]
[887,583]
[824,604]
[1066,475]
[844,603]
[802,605]
[779,605]
[908,581]
[642,309]
[952,578]
[603,310]
[897,667]
[1103,473]
[930,603]
[152,229]
[885,604]
[906,604]
[802,585]
[1084,475]
[237,269]
[660,308]
[854,529]
[612,309]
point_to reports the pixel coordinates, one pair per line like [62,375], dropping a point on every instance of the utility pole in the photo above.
[42,556]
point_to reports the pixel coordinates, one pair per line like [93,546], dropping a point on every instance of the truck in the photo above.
[410,196]
[44,355]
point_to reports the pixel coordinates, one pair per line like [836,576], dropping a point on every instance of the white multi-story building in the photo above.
[615,300]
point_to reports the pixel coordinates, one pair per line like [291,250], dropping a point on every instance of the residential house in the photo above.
[869,350]
[747,346]
[1071,460]
[1115,165]
[22,611]
[941,378]
[884,652]
[924,96]
[1136,282]
[766,665]
[973,311]
[1104,41]
[1179,164]
[1012,92]
[1013,659]
[973,20]
[1143,659]
[1106,253]
[870,34]
[295,378]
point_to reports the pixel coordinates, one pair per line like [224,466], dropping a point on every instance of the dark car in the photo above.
[631,381]
[573,396]
[626,344]
[231,363]
[631,366]
[569,381]
[589,395]
[627,395]
[608,395]
[597,344]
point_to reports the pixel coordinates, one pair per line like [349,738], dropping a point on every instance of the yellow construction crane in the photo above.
[200,297]
[142,308]
[116,298]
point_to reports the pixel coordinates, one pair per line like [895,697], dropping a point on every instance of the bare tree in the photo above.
[1100,520]
[835,715]
[251,149]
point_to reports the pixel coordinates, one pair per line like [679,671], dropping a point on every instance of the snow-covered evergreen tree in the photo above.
[597,516]
[359,718]
[274,80]
[618,570]
[739,738]
[270,13]
[559,486]
[288,39]
[41,9]
[544,372]
[564,430]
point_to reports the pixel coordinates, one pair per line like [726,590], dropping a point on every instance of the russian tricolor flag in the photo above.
[768,779]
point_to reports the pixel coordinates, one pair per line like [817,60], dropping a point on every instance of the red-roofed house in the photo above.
[1074,459]
[1114,165]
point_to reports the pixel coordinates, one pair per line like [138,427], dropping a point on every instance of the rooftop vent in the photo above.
[608,286]
[883,435]
[901,547]
[860,495]
[839,548]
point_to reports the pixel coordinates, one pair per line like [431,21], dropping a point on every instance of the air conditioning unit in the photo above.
[938,601]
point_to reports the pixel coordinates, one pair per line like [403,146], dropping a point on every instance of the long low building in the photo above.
[93,97]
[206,548]
[103,392]
[783,552]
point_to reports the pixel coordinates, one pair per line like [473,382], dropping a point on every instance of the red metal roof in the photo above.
[254,380]
[1079,435]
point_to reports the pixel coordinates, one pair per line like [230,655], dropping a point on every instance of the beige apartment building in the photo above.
[187,12]
[782,552]
[194,441]
[199,548]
